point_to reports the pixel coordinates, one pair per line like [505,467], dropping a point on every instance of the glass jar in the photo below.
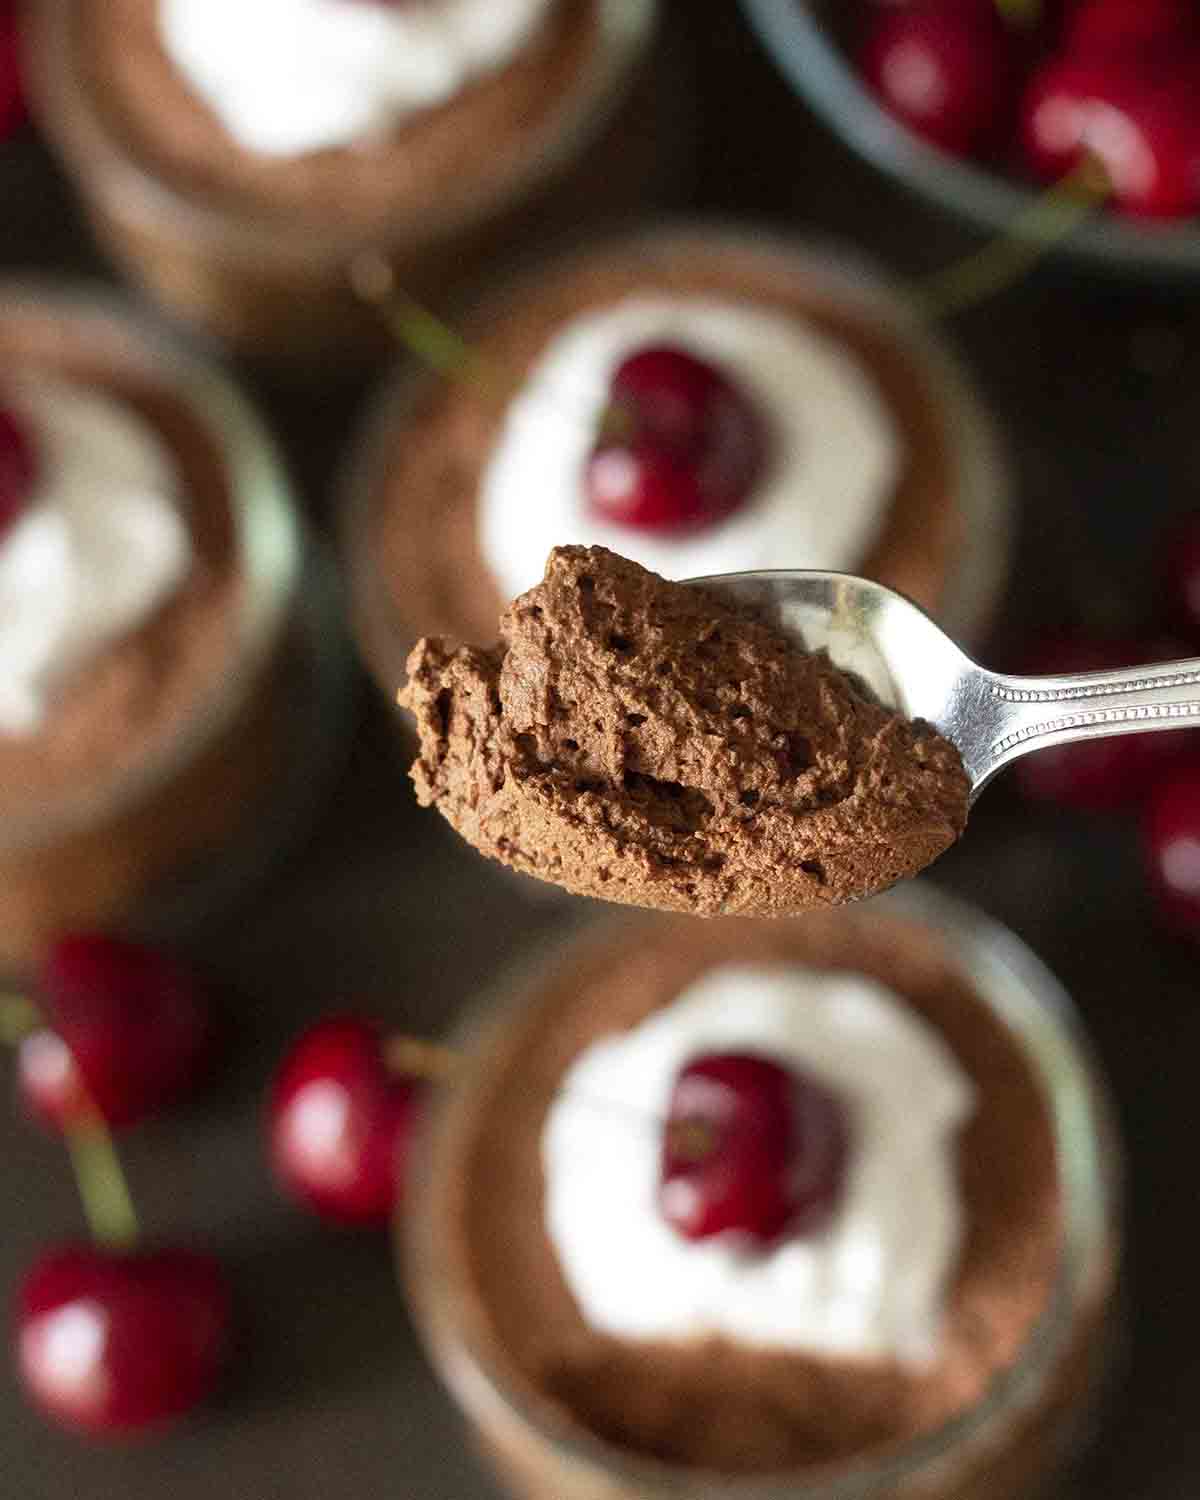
[973,468]
[279,284]
[1006,1446]
[154,838]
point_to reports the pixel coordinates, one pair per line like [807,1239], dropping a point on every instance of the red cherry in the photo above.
[12,92]
[1117,28]
[1180,572]
[947,70]
[1108,774]
[340,1122]
[1171,840]
[18,465]
[690,450]
[753,1147]
[1142,124]
[111,1343]
[128,1030]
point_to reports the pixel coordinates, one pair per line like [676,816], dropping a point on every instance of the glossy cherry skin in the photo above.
[340,1123]
[114,1344]
[18,469]
[12,92]
[129,1031]
[1171,841]
[1109,774]
[683,446]
[751,1147]
[1141,123]
[1119,28]
[948,70]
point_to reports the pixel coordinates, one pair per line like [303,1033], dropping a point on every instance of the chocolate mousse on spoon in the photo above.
[760,743]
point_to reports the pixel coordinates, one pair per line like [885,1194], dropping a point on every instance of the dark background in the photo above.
[1097,389]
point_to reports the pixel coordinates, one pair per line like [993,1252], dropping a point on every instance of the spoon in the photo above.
[912,666]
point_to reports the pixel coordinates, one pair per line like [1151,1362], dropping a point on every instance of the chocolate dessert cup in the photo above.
[177,766]
[411,492]
[257,250]
[566,1413]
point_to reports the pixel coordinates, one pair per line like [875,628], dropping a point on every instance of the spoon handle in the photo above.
[1029,713]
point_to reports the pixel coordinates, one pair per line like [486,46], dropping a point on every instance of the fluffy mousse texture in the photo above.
[646,742]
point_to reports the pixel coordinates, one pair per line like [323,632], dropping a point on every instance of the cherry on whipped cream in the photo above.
[339,1122]
[947,69]
[128,1032]
[751,1147]
[112,1343]
[18,468]
[682,445]
[1138,116]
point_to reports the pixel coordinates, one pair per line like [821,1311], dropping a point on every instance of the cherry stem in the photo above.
[413,1057]
[1035,232]
[103,1189]
[1023,13]
[18,1017]
[421,331]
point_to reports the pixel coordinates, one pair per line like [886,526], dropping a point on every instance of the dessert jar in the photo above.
[413,534]
[233,729]
[274,277]
[1008,1443]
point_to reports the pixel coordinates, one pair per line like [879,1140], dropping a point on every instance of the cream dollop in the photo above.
[872,1284]
[835,451]
[289,76]
[101,545]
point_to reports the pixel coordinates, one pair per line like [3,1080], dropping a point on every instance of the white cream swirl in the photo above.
[286,77]
[872,1284]
[100,546]
[835,459]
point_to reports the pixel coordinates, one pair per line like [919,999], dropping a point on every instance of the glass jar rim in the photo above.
[72,120]
[1010,979]
[268,549]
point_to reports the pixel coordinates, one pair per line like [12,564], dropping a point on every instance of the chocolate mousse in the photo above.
[488,1280]
[649,743]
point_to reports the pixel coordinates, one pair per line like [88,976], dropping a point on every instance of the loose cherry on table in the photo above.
[18,463]
[1107,774]
[339,1122]
[128,1031]
[1171,840]
[1139,118]
[947,69]
[751,1147]
[114,1342]
[681,448]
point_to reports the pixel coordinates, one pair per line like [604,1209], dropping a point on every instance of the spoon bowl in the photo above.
[906,661]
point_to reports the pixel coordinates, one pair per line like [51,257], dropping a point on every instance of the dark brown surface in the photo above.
[333,1401]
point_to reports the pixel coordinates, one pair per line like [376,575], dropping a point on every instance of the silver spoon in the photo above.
[914,667]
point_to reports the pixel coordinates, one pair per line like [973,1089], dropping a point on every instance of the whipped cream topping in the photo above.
[835,452]
[872,1284]
[100,546]
[289,76]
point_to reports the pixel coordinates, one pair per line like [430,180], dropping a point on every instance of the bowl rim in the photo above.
[821,75]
